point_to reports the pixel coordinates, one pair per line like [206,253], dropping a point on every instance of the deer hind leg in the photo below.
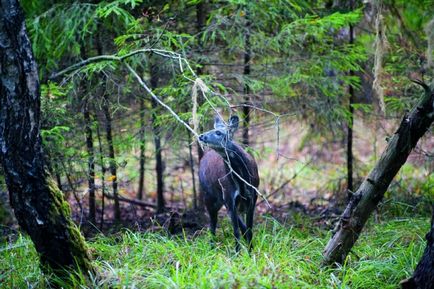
[232,210]
[213,220]
[242,227]
[249,222]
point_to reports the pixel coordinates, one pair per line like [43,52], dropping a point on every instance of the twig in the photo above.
[287,181]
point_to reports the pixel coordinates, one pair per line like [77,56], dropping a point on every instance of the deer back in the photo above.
[216,179]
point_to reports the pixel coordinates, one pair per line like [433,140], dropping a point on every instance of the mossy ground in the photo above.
[284,256]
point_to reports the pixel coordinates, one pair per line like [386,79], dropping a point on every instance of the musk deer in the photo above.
[222,186]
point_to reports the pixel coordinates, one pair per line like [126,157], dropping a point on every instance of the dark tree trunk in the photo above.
[142,150]
[201,201]
[200,23]
[157,142]
[246,73]
[423,276]
[53,169]
[58,180]
[193,174]
[37,202]
[371,191]
[113,165]
[101,161]
[89,147]
[90,162]
[350,187]
[72,187]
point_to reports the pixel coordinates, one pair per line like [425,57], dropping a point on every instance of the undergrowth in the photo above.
[284,256]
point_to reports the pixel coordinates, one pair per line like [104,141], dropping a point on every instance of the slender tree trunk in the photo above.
[157,142]
[423,276]
[99,49]
[350,188]
[90,162]
[371,191]
[37,202]
[101,161]
[200,24]
[53,170]
[142,150]
[193,174]
[89,147]
[246,73]
[73,189]
[113,166]
[58,176]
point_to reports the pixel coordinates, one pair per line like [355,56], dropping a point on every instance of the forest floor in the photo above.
[286,254]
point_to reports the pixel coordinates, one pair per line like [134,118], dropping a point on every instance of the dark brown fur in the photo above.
[220,187]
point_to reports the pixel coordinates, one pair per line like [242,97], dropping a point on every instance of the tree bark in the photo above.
[90,162]
[371,191]
[157,142]
[200,24]
[113,165]
[101,161]
[193,174]
[350,187]
[423,276]
[246,73]
[142,150]
[37,202]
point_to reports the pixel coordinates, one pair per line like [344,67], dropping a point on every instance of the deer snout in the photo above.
[202,138]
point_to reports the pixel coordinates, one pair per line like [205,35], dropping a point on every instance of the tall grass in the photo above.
[284,256]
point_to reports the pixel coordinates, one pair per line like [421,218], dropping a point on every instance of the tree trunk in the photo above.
[157,142]
[90,162]
[58,178]
[371,191]
[350,187]
[101,161]
[423,276]
[201,201]
[113,165]
[246,73]
[142,150]
[193,174]
[200,23]
[37,202]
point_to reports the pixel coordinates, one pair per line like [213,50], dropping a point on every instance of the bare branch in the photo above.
[143,84]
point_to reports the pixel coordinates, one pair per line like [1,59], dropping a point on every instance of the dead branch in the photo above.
[131,201]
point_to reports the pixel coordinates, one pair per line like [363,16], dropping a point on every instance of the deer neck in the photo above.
[236,159]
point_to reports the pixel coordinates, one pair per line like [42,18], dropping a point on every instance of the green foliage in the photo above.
[284,256]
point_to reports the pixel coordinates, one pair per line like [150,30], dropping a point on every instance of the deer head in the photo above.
[221,136]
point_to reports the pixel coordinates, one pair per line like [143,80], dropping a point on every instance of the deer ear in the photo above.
[233,124]
[218,123]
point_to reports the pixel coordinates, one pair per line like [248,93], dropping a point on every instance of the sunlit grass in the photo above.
[284,256]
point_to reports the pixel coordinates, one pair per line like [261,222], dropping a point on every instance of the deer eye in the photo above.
[218,133]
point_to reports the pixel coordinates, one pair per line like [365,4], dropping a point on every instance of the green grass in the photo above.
[285,256]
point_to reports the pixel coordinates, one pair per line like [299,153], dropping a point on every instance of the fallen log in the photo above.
[371,191]
[131,201]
